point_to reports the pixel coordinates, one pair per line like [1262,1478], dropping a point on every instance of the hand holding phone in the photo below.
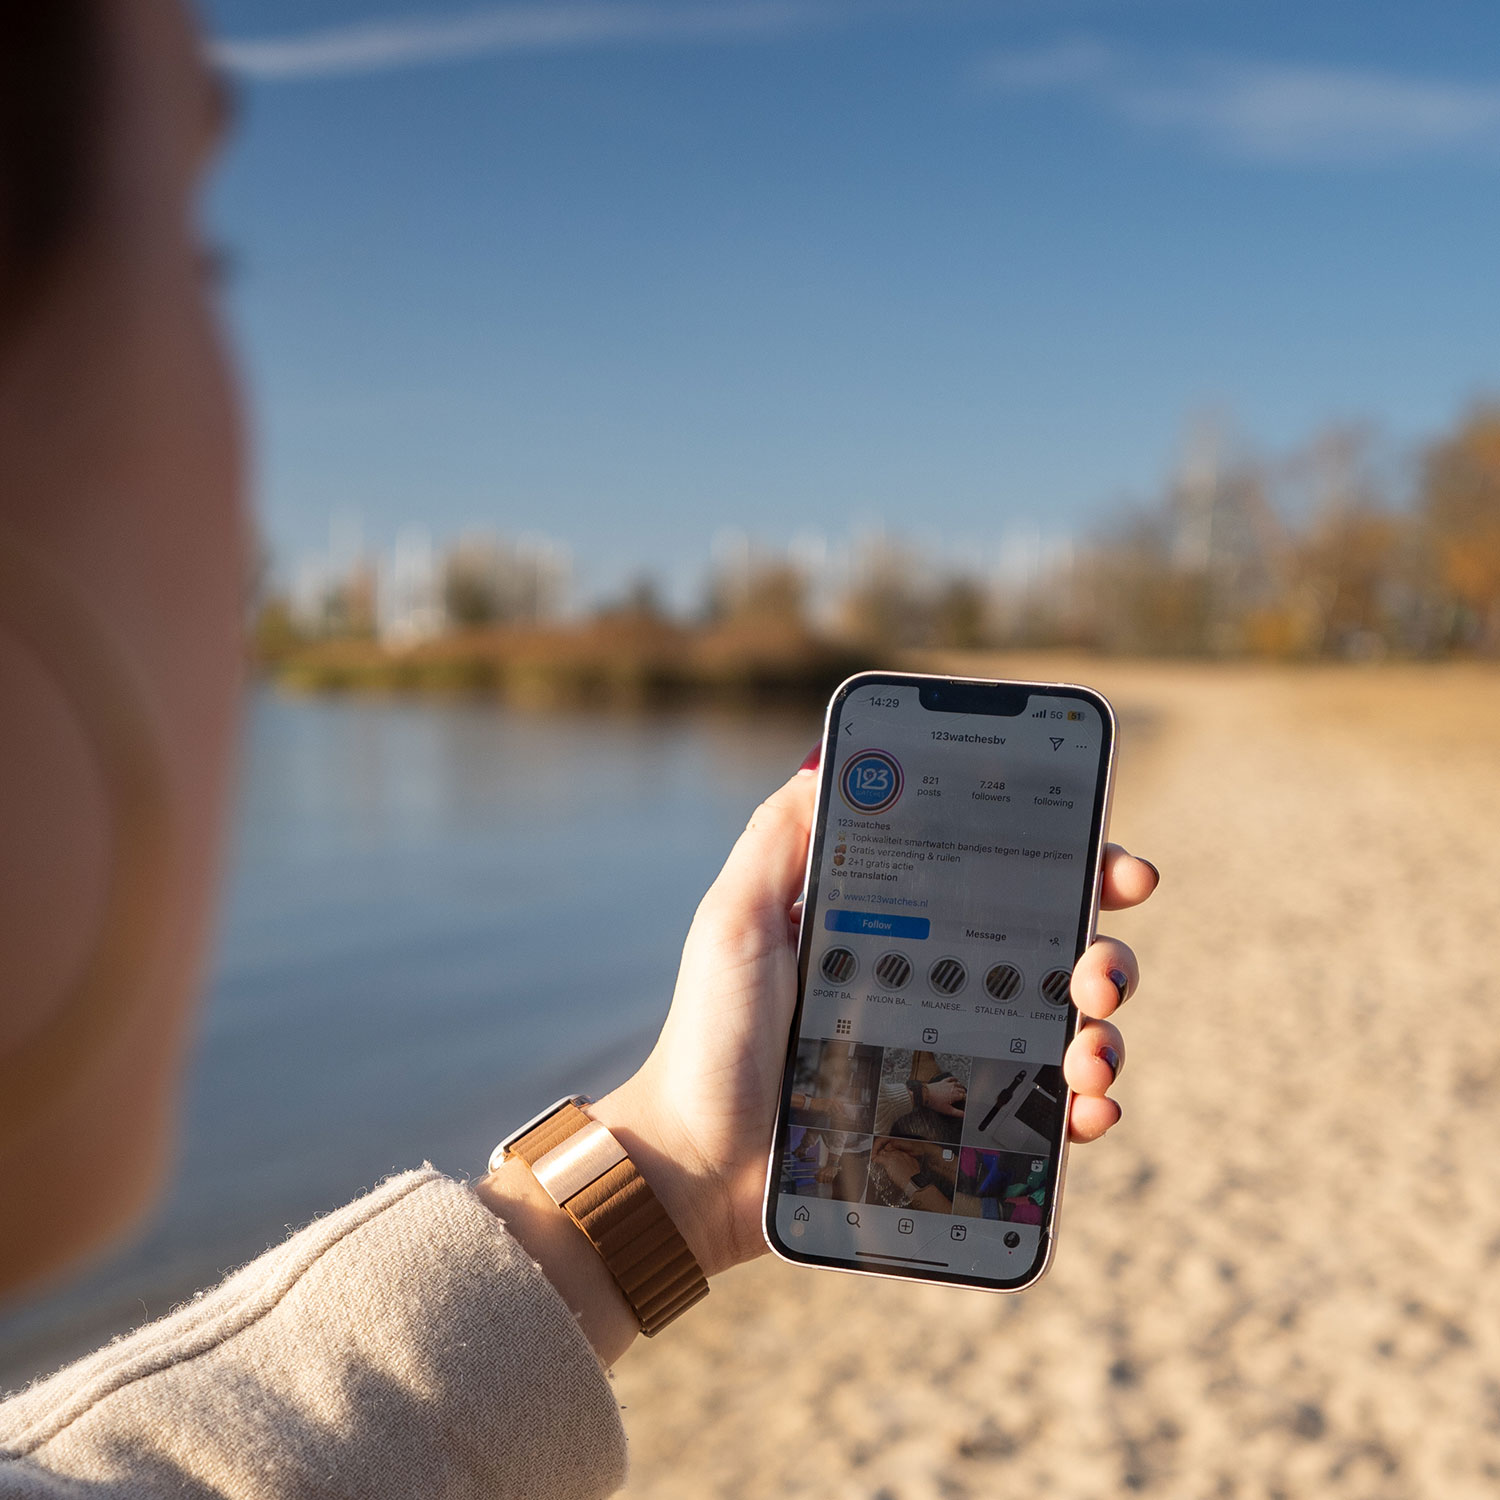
[954,874]
[697,1115]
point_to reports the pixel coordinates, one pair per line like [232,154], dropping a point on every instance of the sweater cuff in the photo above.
[404,1345]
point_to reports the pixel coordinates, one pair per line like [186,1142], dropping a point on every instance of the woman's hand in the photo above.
[945,1095]
[697,1117]
[900,1166]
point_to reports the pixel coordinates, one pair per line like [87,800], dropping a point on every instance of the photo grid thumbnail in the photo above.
[906,1173]
[922,1095]
[835,1086]
[825,1164]
[1016,1106]
[941,1132]
[1001,1185]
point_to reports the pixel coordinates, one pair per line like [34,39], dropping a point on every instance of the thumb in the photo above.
[766,866]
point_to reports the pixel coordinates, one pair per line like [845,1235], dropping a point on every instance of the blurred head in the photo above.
[123,557]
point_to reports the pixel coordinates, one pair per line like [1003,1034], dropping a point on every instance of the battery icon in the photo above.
[1073,713]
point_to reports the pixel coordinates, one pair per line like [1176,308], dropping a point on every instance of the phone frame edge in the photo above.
[1054,1216]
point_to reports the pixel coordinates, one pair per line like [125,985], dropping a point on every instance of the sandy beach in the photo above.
[1277,1278]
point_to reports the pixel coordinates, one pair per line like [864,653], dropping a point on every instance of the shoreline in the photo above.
[657,665]
[630,664]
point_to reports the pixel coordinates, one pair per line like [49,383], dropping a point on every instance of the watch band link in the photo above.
[588,1174]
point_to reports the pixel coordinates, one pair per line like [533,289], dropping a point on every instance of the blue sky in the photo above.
[629,274]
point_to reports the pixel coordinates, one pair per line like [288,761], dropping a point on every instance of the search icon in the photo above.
[853,1219]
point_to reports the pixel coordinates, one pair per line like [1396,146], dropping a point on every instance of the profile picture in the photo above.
[871,781]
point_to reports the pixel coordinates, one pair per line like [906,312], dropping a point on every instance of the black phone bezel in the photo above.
[949,695]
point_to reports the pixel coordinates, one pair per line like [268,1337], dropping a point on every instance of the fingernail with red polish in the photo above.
[1121,981]
[1112,1058]
[814,758]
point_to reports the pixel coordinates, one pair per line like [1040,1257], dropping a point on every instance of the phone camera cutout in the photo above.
[1003,982]
[947,976]
[839,966]
[893,971]
[1055,985]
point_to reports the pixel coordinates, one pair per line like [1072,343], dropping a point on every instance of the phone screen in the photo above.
[951,887]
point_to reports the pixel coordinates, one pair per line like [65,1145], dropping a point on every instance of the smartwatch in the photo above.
[919,1180]
[590,1176]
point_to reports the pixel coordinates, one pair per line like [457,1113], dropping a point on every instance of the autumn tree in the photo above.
[1459,509]
[889,604]
[761,590]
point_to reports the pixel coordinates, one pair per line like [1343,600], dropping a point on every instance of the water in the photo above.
[439,918]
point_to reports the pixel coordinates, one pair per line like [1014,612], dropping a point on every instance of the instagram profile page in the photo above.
[951,878]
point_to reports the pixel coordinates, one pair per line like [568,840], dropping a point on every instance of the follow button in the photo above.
[877,924]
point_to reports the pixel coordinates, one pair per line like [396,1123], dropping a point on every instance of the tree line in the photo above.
[1332,552]
[1336,551]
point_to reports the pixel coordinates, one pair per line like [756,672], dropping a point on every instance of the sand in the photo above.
[1280,1275]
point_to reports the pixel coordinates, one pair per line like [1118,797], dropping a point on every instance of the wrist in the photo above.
[592,1190]
[559,1247]
[914,1185]
[664,1153]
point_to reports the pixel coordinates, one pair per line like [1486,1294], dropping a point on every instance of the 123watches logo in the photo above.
[871,781]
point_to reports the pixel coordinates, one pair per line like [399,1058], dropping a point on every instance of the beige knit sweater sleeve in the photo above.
[404,1346]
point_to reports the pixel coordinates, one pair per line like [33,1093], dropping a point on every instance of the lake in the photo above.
[438,918]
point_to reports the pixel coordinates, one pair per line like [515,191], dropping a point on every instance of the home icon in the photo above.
[802,1214]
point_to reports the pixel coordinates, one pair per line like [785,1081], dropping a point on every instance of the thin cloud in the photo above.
[1067,65]
[1267,112]
[379,46]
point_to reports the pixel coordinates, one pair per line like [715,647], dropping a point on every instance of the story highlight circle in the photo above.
[871,781]
[1056,986]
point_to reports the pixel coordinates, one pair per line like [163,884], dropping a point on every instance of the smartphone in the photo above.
[952,884]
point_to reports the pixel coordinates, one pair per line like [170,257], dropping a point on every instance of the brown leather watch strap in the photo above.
[588,1174]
